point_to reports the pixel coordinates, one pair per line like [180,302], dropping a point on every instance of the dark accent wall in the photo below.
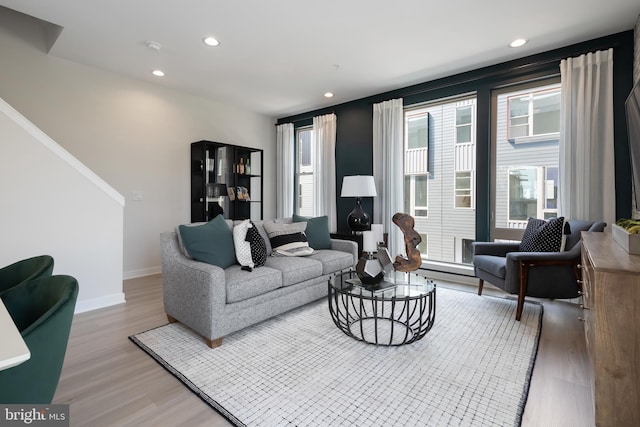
[354,139]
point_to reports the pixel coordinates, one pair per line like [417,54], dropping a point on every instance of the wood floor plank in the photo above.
[109,381]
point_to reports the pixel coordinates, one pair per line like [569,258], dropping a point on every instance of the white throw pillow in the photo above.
[243,248]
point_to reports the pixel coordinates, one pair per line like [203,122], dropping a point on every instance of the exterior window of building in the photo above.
[423,246]
[533,193]
[440,161]
[467,251]
[416,199]
[417,131]
[463,189]
[304,171]
[550,209]
[416,154]
[534,114]
[464,126]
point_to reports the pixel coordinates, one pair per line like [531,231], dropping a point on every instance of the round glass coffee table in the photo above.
[399,310]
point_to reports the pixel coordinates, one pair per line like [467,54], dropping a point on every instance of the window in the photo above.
[550,209]
[463,189]
[523,193]
[525,147]
[435,186]
[423,246]
[467,251]
[416,159]
[304,171]
[533,192]
[534,114]
[415,195]
[417,131]
[463,124]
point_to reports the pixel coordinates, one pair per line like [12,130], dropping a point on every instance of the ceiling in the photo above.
[279,57]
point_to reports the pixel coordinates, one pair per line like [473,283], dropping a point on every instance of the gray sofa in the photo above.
[215,302]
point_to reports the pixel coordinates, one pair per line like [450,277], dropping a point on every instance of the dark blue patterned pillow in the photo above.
[258,246]
[544,236]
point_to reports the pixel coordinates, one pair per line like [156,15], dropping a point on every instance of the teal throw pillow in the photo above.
[211,242]
[317,231]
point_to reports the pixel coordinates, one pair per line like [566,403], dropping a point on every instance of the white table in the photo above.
[13,350]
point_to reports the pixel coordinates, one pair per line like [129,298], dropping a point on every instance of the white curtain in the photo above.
[586,183]
[388,169]
[284,170]
[324,168]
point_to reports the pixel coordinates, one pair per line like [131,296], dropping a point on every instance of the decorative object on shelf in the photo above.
[242,193]
[411,239]
[358,186]
[217,171]
[232,194]
[215,190]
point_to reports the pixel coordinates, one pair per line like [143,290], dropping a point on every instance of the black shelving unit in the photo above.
[225,179]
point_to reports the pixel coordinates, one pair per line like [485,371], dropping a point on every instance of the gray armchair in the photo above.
[552,275]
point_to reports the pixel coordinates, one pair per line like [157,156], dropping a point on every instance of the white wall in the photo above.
[51,204]
[135,135]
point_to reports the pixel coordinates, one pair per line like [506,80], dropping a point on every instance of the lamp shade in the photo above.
[358,186]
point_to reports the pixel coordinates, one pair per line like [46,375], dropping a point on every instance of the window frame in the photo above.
[471,189]
[530,136]
[299,169]
[471,124]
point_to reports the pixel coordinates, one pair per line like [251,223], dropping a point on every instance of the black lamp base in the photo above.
[358,219]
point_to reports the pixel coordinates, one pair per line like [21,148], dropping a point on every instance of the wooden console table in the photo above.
[611,301]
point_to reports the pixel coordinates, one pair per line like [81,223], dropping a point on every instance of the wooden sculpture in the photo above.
[411,239]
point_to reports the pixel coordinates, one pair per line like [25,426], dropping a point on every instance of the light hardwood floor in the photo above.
[109,381]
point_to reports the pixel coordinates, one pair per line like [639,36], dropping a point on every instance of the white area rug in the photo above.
[298,369]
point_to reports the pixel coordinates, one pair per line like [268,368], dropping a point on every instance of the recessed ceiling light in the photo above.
[154,46]
[158,73]
[518,42]
[211,41]
[328,95]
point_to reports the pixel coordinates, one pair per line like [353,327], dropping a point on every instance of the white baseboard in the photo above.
[141,273]
[102,302]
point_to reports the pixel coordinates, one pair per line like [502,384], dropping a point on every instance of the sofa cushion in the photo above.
[496,265]
[241,284]
[317,231]
[544,236]
[295,270]
[333,261]
[288,239]
[211,243]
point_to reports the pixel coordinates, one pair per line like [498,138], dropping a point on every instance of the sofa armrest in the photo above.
[346,246]
[194,292]
[495,248]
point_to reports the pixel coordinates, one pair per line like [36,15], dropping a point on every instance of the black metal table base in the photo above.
[382,319]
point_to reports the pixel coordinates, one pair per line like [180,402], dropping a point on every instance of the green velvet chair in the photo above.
[25,270]
[42,309]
